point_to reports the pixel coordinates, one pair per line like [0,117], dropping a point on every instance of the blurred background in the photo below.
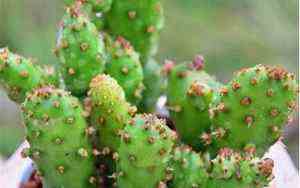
[230,34]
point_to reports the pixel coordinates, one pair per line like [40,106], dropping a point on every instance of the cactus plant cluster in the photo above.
[91,120]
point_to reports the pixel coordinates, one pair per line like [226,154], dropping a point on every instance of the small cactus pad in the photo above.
[144,152]
[254,107]
[190,91]
[153,82]
[188,169]
[81,51]
[109,110]
[138,21]
[124,65]
[232,170]
[56,131]
[19,75]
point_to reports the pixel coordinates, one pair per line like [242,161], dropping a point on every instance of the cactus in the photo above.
[140,22]
[190,91]
[124,65]
[257,103]
[109,110]
[144,152]
[20,75]
[188,168]
[232,170]
[81,51]
[56,131]
[153,82]
[106,140]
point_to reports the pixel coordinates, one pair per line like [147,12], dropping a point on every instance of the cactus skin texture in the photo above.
[124,65]
[81,51]
[140,22]
[232,170]
[144,152]
[153,82]
[189,169]
[56,131]
[109,110]
[254,107]
[190,91]
[19,75]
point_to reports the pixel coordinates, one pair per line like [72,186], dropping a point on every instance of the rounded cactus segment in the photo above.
[81,51]
[124,65]
[56,131]
[232,170]
[20,75]
[190,91]
[189,169]
[140,22]
[254,107]
[153,82]
[144,152]
[109,110]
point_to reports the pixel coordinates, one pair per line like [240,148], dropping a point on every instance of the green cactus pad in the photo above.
[81,51]
[109,110]
[254,107]
[140,22]
[56,131]
[19,75]
[144,152]
[231,170]
[189,169]
[124,65]
[153,82]
[190,91]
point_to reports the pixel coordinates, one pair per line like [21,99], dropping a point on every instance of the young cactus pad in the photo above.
[19,75]
[56,131]
[232,170]
[139,22]
[124,65]
[109,110]
[254,107]
[144,152]
[153,82]
[81,51]
[188,169]
[190,91]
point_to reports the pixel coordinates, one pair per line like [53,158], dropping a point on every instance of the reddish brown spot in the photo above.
[206,138]
[221,107]
[224,91]
[24,74]
[71,71]
[253,81]
[235,86]
[84,47]
[151,29]
[225,152]
[277,73]
[250,149]
[196,89]
[246,101]
[274,112]
[270,93]
[151,140]
[249,120]
[266,167]
[132,14]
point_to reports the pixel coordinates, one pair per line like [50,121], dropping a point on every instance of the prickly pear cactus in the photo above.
[153,82]
[232,170]
[188,169]
[56,131]
[81,51]
[109,110]
[140,22]
[20,75]
[190,92]
[124,65]
[144,152]
[254,107]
